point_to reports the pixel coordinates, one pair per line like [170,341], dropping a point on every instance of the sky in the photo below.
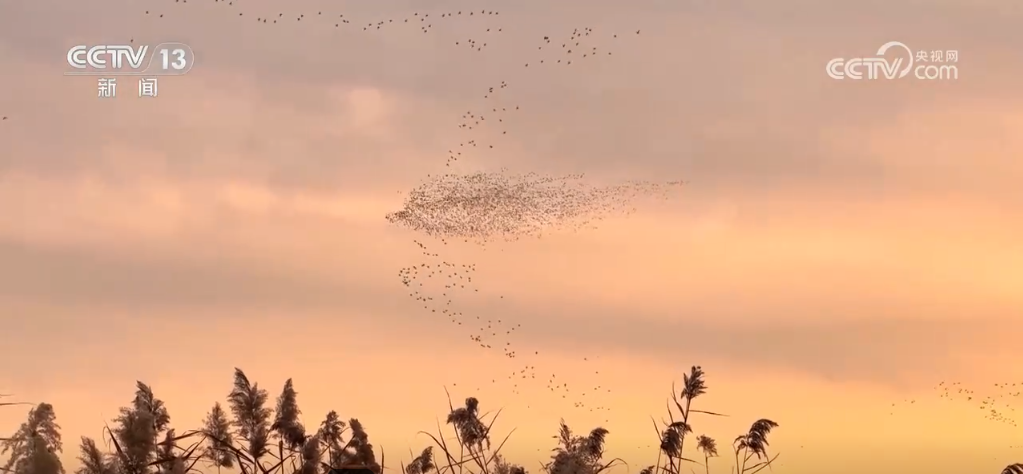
[841,247]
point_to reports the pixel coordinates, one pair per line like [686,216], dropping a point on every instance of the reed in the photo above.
[254,438]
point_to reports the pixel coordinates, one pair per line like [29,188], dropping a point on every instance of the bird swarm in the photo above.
[485,205]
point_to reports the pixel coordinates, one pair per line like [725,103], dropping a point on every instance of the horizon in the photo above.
[840,253]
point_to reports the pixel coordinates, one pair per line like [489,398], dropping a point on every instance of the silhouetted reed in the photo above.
[673,432]
[140,440]
[472,451]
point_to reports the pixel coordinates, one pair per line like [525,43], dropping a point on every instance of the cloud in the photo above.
[807,293]
[879,339]
[268,100]
[839,230]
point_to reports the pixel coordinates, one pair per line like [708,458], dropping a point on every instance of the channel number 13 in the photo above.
[174,59]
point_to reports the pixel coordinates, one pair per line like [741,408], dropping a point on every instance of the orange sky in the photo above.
[841,247]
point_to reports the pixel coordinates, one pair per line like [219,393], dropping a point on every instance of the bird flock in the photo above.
[996,403]
[438,286]
[484,205]
[481,207]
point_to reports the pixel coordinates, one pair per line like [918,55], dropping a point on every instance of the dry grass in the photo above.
[141,442]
